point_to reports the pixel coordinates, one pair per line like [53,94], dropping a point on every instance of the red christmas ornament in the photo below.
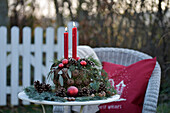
[65,61]
[61,65]
[83,63]
[77,58]
[72,91]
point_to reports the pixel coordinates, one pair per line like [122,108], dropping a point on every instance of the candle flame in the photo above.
[74,24]
[66,29]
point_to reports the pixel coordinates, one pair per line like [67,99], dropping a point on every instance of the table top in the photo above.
[23,96]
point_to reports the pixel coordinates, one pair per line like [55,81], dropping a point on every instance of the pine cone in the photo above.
[47,87]
[102,87]
[90,63]
[40,90]
[70,82]
[78,82]
[72,61]
[86,91]
[81,72]
[75,73]
[41,87]
[38,86]
[92,91]
[61,92]
[80,92]
[86,82]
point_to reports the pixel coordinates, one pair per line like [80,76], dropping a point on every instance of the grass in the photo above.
[26,109]
[162,108]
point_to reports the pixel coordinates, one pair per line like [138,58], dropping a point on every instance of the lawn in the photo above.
[26,109]
[162,108]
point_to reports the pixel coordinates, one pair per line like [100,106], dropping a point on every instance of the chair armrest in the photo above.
[152,92]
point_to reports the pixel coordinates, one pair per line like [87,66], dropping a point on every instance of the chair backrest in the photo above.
[127,57]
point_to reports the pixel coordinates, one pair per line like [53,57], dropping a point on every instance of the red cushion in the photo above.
[131,82]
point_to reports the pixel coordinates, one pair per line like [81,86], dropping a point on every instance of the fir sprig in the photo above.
[33,94]
[50,96]
[97,63]
[87,98]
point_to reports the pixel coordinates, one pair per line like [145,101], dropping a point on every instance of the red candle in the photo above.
[66,44]
[74,41]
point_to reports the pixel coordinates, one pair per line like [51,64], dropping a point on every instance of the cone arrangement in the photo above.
[83,92]
[61,92]
[93,91]
[41,87]
[102,87]
[82,73]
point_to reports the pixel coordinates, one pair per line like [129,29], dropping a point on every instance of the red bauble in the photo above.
[72,91]
[65,61]
[77,58]
[83,63]
[61,65]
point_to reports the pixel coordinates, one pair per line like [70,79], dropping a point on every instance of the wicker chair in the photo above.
[127,57]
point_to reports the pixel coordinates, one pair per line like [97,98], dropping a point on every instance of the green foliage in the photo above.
[104,77]
[95,85]
[97,63]
[89,70]
[50,96]
[57,61]
[90,98]
[33,108]
[72,68]
[163,108]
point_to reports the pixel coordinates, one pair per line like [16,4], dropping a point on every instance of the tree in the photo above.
[3,12]
[59,16]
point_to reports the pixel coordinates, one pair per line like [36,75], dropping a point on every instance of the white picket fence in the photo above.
[32,55]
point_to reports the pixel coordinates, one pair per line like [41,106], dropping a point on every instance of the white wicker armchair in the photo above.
[127,57]
[123,57]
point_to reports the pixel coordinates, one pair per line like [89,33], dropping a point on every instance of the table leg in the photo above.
[43,108]
[81,109]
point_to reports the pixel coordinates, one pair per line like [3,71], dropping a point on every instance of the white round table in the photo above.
[23,96]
